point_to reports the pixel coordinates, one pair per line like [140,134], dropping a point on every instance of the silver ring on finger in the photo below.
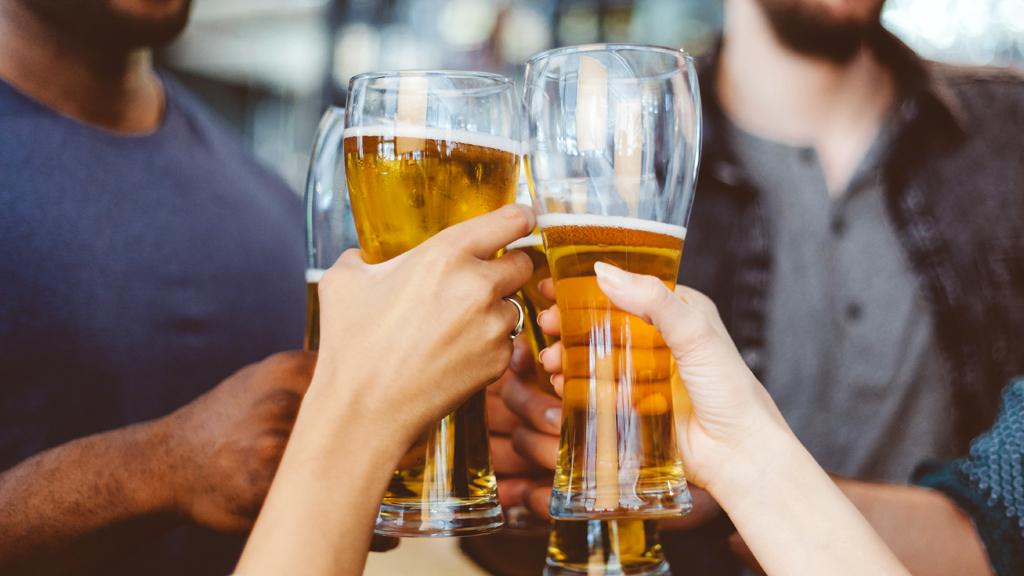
[521,321]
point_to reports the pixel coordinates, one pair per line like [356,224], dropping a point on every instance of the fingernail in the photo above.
[553,416]
[541,315]
[610,275]
[540,356]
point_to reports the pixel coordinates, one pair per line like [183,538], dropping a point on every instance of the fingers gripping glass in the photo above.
[423,151]
[614,136]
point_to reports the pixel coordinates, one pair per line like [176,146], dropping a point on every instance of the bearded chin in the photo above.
[813,33]
[101,25]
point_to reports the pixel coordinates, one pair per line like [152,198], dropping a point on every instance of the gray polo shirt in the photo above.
[852,356]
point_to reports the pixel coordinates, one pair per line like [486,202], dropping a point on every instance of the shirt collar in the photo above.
[921,84]
[923,95]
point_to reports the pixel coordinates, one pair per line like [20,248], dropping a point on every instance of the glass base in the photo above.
[414,520]
[581,506]
[658,569]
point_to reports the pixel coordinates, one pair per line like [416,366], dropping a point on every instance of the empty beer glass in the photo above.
[614,137]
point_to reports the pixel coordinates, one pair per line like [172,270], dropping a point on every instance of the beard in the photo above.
[809,28]
[103,24]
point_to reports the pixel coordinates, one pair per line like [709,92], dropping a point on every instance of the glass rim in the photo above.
[609,47]
[494,80]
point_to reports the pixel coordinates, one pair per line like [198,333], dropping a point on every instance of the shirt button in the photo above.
[853,311]
[838,225]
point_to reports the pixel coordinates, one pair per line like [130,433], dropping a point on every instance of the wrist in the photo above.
[339,407]
[151,486]
[753,467]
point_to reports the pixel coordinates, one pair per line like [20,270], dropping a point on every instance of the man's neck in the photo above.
[770,90]
[114,90]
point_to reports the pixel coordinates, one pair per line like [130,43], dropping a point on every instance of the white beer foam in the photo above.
[552,220]
[526,242]
[433,133]
[313,275]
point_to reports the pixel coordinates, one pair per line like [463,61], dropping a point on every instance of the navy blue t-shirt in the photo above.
[136,272]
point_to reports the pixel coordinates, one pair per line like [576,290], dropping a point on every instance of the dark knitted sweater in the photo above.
[989,484]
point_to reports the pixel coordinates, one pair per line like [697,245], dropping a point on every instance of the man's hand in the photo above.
[518,474]
[223,448]
[211,462]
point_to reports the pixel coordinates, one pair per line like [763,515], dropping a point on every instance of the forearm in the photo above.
[319,515]
[926,530]
[58,506]
[795,520]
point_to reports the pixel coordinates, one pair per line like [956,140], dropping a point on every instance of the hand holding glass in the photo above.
[423,151]
[613,147]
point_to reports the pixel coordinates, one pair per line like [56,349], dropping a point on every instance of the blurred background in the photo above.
[270,67]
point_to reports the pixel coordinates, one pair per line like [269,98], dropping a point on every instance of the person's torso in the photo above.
[852,356]
[949,195]
[953,198]
[138,271]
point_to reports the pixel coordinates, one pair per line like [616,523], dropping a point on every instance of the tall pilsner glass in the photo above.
[425,150]
[329,227]
[614,137]
[626,547]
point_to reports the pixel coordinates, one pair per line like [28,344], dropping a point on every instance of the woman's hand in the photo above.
[402,343]
[730,415]
[737,445]
[412,338]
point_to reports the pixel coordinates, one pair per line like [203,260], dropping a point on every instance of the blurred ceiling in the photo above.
[275,43]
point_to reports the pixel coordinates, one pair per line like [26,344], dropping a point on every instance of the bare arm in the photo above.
[210,462]
[325,497]
[64,504]
[780,501]
[927,531]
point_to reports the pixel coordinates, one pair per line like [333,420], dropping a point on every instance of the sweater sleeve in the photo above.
[988,484]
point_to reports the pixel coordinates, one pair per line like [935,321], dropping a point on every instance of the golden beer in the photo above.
[311,342]
[606,547]
[405,186]
[618,454]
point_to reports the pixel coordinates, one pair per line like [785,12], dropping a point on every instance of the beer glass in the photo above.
[624,547]
[614,136]
[329,227]
[607,547]
[533,301]
[425,150]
